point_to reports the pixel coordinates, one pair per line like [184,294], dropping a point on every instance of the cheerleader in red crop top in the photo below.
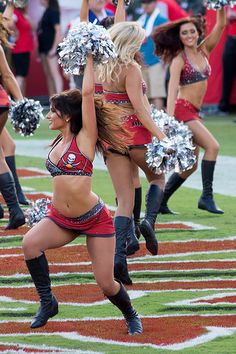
[123,88]
[178,43]
[75,209]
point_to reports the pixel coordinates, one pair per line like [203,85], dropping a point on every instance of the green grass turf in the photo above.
[158,303]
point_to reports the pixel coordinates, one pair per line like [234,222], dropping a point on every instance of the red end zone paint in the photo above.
[158,331]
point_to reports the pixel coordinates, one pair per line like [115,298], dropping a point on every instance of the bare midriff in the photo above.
[193,93]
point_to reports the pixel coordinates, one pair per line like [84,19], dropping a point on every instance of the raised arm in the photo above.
[142,110]
[8,78]
[84,11]
[120,12]
[88,107]
[212,39]
[173,87]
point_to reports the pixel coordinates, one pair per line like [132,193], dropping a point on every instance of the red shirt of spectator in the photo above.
[24,42]
[171,10]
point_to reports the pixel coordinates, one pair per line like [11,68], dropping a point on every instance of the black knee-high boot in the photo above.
[147,227]
[122,228]
[8,190]
[173,183]
[38,268]
[122,301]
[10,160]
[137,210]
[206,201]
[132,243]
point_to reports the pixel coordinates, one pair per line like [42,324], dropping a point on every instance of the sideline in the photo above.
[225,173]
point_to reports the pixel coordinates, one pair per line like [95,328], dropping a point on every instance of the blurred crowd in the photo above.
[49,32]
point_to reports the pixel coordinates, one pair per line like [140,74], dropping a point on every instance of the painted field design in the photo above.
[186,296]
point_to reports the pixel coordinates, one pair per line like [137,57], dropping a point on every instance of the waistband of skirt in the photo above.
[88,215]
[187,104]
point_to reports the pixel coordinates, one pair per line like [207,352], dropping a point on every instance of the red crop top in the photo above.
[116,97]
[72,162]
[191,74]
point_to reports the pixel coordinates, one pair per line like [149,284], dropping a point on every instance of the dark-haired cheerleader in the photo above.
[181,43]
[83,123]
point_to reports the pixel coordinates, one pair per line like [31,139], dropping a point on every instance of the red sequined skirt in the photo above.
[96,222]
[4,98]
[139,134]
[186,111]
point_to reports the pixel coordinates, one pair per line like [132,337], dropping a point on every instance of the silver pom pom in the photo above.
[178,142]
[37,211]
[84,39]
[25,116]
[17,3]
[218,4]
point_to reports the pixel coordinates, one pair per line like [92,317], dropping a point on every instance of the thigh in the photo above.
[139,157]
[101,251]
[120,170]
[46,235]
[135,172]
[7,143]
[3,120]
[201,135]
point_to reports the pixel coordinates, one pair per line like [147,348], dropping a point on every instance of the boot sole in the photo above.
[151,242]
[211,211]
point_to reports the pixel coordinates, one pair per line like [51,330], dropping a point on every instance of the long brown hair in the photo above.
[167,39]
[4,31]
[110,129]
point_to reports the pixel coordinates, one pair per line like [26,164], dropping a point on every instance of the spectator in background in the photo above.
[110,6]
[154,71]
[229,59]
[23,46]
[49,36]
[171,10]
[193,7]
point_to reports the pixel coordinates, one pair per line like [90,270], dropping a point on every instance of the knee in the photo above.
[107,286]
[30,246]
[214,148]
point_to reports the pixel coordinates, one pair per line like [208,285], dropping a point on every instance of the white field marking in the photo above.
[101,319]
[70,264]
[213,333]
[47,194]
[230,238]
[13,309]
[27,189]
[148,257]
[41,347]
[132,293]
[36,177]
[133,260]
[194,302]
[224,260]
